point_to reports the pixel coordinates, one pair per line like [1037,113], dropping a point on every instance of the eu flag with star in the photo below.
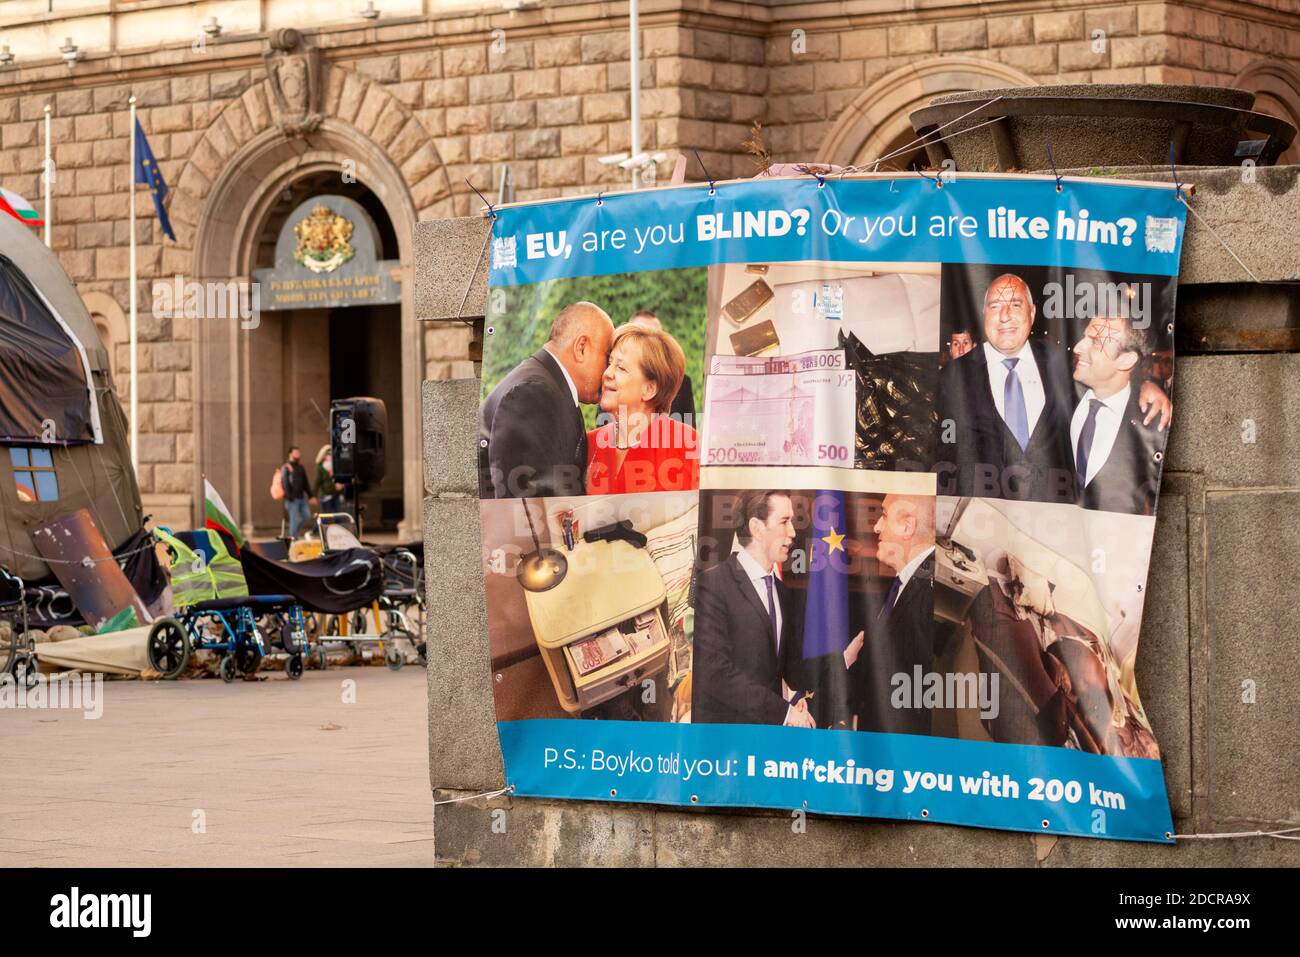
[826,619]
[147,172]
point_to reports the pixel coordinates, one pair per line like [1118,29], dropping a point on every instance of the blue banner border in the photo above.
[1146,816]
[555,227]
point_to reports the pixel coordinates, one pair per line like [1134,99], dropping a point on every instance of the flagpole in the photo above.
[135,378]
[46,178]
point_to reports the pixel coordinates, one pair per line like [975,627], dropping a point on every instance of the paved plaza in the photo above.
[200,773]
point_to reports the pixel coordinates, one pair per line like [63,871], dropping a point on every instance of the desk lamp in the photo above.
[542,568]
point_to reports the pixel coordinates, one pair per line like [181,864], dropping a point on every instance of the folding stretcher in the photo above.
[389,600]
[404,590]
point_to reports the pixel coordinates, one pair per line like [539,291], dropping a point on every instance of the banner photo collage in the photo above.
[831,494]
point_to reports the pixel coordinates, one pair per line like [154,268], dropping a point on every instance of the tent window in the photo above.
[34,475]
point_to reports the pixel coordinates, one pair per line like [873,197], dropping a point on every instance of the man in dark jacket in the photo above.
[746,627]
[1116,457]
[1004,408]
[297,504]
[901,632]
[532,438]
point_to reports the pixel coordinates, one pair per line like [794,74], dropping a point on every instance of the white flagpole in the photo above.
[46,178]
[135,379]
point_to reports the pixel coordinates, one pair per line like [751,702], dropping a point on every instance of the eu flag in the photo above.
[147,172]
[826,620]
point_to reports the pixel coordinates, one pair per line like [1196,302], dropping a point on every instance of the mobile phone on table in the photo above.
[754,297]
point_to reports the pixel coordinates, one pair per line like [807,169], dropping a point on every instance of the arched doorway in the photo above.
[303,358]
[1276,86]
[876,123]
[255,387]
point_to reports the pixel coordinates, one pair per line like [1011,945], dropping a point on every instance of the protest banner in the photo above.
[831,494]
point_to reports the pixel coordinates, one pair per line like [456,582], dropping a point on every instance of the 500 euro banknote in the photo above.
[782,410]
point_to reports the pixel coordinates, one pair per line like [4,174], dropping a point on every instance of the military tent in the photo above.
[63,435]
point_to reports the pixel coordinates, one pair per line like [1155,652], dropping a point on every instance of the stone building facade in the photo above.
[408,109]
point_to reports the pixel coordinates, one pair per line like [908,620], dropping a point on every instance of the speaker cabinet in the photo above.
[357,430]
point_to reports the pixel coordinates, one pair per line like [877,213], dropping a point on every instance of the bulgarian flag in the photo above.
[216,516]
[19,208]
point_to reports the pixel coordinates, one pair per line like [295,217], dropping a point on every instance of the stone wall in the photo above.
[809,92]
[1219,613]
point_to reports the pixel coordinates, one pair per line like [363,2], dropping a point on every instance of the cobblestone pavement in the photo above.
[200,773]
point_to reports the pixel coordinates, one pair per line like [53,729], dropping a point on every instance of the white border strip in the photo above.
[818,477]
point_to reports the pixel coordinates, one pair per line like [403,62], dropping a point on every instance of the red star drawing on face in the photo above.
[1009,295]
[1105,335]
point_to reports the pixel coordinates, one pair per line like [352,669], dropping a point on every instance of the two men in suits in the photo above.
[1010,417]
[1003,408]
[532,438]
[902,634]
[745,625]
[1116,456]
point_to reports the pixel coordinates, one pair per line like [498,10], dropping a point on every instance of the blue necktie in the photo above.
[1084,448]
[771,611]
[1013,405]
[887,608]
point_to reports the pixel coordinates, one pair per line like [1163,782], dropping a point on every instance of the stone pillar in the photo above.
[450,291]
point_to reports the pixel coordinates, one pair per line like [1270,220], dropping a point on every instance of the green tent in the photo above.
[63,436]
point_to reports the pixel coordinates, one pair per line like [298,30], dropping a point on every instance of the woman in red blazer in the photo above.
[641,448]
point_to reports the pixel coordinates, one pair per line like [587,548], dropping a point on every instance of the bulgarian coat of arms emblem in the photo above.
[323,243]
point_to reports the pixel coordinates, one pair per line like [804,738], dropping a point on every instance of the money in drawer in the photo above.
[601,630]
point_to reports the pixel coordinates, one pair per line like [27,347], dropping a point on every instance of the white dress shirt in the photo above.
[567,378]
[756,575]
[1109,419]
[1031,382]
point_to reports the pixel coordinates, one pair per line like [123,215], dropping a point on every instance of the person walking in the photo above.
[293,480]
[327,490]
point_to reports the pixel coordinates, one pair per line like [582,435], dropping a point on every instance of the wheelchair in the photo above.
[230,625]
[17,649]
